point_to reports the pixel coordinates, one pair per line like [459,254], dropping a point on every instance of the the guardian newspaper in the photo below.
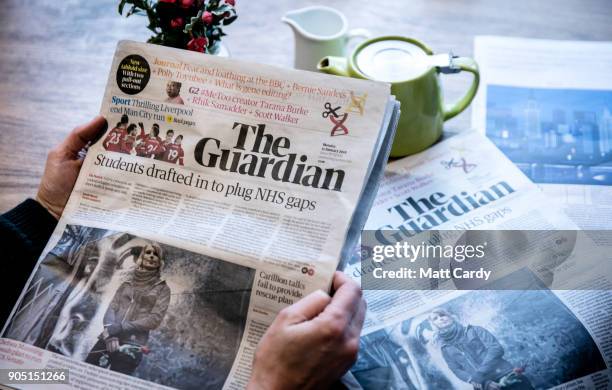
[438,333]
[222,192]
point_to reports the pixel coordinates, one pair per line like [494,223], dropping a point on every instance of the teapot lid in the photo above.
[392,60]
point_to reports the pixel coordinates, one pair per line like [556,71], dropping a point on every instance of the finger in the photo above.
[357,322]
[346,298]
[340,278]
[307,308]
[81,135]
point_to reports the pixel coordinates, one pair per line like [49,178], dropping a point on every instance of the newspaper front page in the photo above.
[547,105]
[451,338]
[222,192]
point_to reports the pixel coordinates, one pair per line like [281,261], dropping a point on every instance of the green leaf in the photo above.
[155,39]
[121,5]
[221,10]
[229,20]
[131,11]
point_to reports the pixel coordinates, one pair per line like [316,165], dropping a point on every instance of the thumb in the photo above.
[308,307]
[80,136]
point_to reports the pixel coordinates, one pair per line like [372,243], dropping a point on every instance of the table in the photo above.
[55,55]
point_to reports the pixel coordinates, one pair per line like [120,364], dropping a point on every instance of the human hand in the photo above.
[112,344]
[476,386]
[63,166]
[313,342]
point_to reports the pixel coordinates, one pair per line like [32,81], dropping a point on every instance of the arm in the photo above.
[494,351]
[141,148]
[456,367]
[124,147]
[142,132]
[110,317]
[155,317]
[160,150]
[107,139]
[24,232]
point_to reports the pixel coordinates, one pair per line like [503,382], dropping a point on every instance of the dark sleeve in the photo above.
[24,232]
[493,348]
[110,317]
[456,367]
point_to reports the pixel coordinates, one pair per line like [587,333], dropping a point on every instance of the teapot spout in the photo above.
[334,65]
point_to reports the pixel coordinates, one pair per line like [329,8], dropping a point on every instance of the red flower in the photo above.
[187,3]
[207,17]
[231,2]
[197,44]
[176,23]
[167,1]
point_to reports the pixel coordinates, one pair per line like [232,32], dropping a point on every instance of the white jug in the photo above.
[319,31]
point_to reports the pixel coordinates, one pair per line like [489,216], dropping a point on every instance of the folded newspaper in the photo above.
[222,192]
[504,336]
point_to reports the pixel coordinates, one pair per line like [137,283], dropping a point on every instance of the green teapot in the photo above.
[412,70]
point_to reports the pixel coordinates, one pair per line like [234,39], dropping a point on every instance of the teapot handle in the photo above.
[469,65]
[358,33]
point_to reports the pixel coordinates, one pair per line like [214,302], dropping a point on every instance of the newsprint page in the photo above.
[222,192]
[548,106]
[552,334]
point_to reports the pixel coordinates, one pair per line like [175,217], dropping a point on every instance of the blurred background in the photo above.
[55,55]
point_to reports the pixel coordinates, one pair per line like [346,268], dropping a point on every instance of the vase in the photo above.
[222,51]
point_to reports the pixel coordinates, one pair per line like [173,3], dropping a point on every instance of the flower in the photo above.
[207,17]
[176,23]
[187,3]
[197,44]
[144,349]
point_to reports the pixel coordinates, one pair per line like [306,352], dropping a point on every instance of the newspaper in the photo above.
[548,106]
[222,192]
[449,338]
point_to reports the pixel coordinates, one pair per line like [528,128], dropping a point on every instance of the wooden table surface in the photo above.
[55,55]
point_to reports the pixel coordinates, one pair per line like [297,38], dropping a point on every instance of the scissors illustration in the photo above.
[330,111]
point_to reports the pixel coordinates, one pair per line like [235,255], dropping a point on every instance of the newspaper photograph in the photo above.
[509,339]
[172,315]
[221,192]
[547,105]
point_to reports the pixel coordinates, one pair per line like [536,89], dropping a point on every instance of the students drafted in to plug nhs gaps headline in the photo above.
[267,157]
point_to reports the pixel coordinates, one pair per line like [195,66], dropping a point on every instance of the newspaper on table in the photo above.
[505,334]
[548,106]
[222,192]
